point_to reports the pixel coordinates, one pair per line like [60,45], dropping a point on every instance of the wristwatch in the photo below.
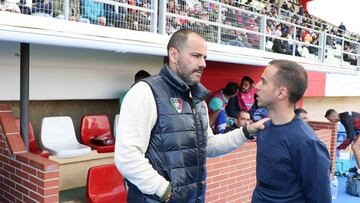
[167,195]
[249,136]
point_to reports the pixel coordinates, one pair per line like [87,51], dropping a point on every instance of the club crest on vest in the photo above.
[177,104]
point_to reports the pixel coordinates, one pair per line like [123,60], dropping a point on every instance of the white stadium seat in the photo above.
[59,138]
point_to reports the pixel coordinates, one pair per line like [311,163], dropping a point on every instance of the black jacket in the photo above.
[177,147]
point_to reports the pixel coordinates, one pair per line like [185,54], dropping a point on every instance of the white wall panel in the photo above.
[342,85]
[68,73]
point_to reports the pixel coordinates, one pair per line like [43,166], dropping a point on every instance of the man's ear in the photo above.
[173,55]
[283,93]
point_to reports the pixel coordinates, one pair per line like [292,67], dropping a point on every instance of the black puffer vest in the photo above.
[177,147]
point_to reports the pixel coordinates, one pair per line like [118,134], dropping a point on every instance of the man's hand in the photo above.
[254,127]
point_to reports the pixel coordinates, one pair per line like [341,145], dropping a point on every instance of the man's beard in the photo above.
[184,74]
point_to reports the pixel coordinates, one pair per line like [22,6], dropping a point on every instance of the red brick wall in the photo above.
[329,141]
[24,177]
[232,178]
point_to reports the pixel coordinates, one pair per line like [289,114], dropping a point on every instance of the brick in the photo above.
[9,168]
[9,197]
[45,183]
[48,191]
[48,175]
[4,173]
[37,161]
[5,107]
[4,159]
[36,196]
[220,178]
[16,164]
[211,198]
[15,144]
[15,178]
[9,183]
[29,185]
[29,170]
[52,199]
[22,174]
[7,123]
[29,200]
[22,189]
[16,193]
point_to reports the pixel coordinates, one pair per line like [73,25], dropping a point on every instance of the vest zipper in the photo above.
[198,147]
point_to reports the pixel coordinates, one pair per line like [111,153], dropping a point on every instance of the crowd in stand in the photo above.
[282,35]
[86,11]
[282,24]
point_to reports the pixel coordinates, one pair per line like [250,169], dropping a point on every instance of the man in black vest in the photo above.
[163,135]
[351,122]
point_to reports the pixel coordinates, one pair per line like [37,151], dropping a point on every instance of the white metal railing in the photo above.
[218,23]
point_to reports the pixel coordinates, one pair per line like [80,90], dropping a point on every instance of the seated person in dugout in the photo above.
[242,119]
[351,122]
[217,103]
[303,114]
[244,100]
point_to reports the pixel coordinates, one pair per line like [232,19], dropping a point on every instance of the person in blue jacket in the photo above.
[292,164]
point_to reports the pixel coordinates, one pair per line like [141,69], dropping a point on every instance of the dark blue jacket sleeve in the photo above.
[232,107]
[312,166]
[221,122]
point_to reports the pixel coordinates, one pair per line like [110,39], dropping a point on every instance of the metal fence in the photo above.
[256,26]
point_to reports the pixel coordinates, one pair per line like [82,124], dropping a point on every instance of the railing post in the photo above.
[162,17]
[153,22]
[219,28]
[66,9]
[294,41]
[263,31]
[322,44]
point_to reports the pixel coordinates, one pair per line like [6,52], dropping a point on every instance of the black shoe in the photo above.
[353,170]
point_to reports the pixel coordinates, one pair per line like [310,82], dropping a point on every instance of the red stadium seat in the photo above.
[95,132]
[105,184]
[33,147]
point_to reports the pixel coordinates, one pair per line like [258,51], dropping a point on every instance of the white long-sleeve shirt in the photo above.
[137,118]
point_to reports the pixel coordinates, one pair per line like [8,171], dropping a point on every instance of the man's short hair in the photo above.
[298,111]
[141,74]
[329,112]
[247,78]
[179,38]
[238,113]
[231,88]
[293,76]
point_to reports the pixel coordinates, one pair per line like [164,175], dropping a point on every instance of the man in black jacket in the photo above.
[351,122]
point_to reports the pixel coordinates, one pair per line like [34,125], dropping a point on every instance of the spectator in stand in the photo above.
[115,15]
[217,103]
[42,8]
[95,12]
[278,31]
[351,122]
[341,28]
[74,11]
[11,6]
[24,8]
[303,114]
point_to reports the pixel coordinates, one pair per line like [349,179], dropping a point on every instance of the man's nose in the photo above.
[257,86]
